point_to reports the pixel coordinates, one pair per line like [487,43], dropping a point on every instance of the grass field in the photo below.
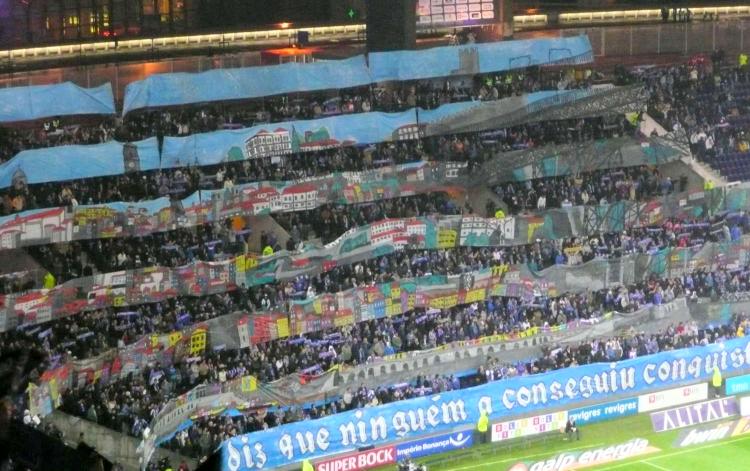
[729,454]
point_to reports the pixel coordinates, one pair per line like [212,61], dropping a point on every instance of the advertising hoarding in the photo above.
[598,412]
[672,397]
[694,414]
[529,426]
[585,459]
[745,406]
[434,445]
[456,12]
[737,385]
[358,461]
[701,436]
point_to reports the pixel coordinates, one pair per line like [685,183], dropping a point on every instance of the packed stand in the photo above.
[601,187]
[427,94]
[208,432]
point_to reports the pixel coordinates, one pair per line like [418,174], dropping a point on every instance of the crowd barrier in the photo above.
[254,82]
[277,139]
[58,100]
[132,287]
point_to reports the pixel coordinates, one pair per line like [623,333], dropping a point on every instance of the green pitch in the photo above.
[731,454]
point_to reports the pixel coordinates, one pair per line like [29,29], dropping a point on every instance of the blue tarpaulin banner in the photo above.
[268,140]
[160,90]
[244,83]
[473,59]
[46,101]
[80,161]
[312,439]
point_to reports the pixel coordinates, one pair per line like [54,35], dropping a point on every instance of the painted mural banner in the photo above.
[55,225]
[291,390]
[153,284]
[72,373]
[376,426]
[242,330]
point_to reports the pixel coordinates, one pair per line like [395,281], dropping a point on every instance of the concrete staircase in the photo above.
[268,225]
[477,197]
[114,446]
[705,171]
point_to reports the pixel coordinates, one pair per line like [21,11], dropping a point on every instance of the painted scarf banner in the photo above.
[375,426]
[153,284]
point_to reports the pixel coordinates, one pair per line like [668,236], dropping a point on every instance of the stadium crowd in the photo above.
[600,187]
[216,242]
[179,182]
[427,94]
[129,403]
[207,432]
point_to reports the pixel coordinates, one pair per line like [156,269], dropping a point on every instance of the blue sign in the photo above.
[606,411]
[434,445]
[738,385]
[410,419]
[253,82]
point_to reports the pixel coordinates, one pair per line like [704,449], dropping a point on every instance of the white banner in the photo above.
[672,397]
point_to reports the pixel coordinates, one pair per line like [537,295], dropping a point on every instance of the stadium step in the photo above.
[267,224]
[114,446]
[705,171]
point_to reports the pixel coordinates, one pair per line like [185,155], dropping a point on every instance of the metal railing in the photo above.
[683,39]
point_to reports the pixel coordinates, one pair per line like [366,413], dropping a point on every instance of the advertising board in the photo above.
[672,397]
[529,426]
[585,459]
[358,461]
[701,436]
[737,385]
[452,12]
[433,445]
[609,410]
[745,406]
[694,414]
